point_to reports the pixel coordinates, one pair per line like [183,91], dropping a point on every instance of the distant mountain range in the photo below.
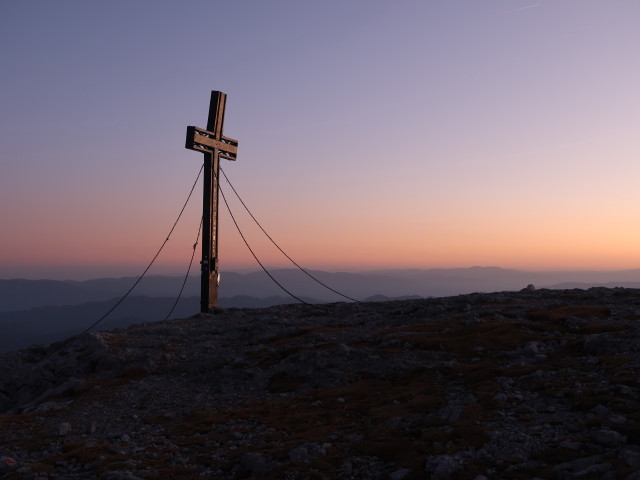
[17,294]
[42,311]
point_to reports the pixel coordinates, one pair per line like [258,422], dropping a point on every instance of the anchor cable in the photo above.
[184,282]
[150,264]
[278,247]
[254,255]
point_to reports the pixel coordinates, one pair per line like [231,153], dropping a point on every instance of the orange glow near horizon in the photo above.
[451,237]
[465,138]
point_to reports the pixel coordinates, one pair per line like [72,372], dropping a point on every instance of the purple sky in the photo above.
[372,133]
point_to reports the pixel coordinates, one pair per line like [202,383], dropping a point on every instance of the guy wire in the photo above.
[277,246]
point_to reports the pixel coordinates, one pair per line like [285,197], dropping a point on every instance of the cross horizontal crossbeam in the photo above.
[204,141]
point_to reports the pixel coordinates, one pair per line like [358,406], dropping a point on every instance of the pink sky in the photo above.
[372,134]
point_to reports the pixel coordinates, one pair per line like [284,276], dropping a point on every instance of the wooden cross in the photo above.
[214,146]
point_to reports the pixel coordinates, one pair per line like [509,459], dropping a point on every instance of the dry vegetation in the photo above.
[512,385]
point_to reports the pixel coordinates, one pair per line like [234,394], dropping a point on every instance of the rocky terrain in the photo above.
[516,385]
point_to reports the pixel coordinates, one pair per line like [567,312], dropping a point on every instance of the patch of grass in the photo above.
[555,455]
[480,379]
[592,328]
[468,431]
[556,314]
[464,340]
[282,382]
[276,357]
[281,340]
[41,468]
[82,454]
[183,472]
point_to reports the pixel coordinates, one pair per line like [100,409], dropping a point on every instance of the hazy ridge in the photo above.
[41,311]
[20,294]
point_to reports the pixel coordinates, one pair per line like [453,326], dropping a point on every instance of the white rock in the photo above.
[64,429]
[400,474]
[609,438]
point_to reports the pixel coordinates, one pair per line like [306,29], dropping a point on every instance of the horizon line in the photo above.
[82,275]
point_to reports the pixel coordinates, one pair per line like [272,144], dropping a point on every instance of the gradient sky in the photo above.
[372,134]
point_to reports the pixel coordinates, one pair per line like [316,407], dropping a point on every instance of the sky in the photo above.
[372,134]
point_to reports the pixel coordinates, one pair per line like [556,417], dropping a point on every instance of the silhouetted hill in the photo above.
[587,285]
[246,301]
[384,298]
[48,324]
[19,294]
[41,311]
[24,294]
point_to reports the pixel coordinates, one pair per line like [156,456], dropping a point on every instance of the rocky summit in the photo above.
[537,384]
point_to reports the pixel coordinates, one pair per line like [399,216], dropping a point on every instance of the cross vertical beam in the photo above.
[214,146]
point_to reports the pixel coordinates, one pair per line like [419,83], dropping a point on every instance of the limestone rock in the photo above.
[64,429]
[442,467]
[533,384]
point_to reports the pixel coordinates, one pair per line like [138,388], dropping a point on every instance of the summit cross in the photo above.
[215,146]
